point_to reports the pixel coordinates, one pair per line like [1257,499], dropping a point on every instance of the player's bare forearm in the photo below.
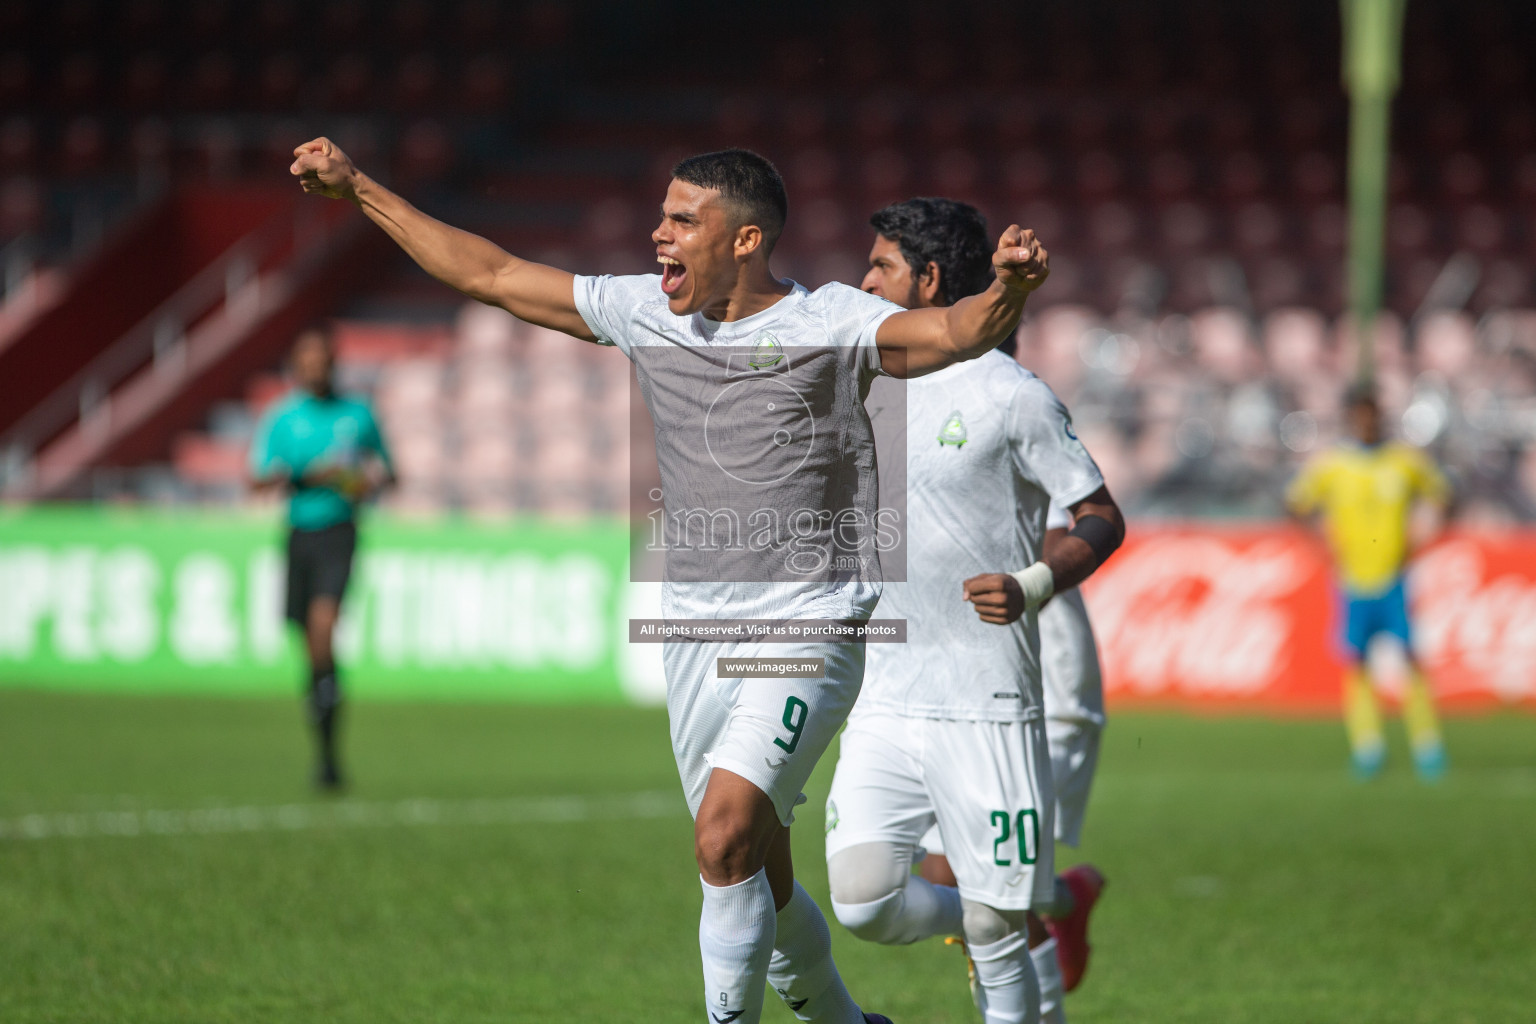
[271,480]
[920,341]
[1051,541]
[979,323]
[474,265]
[1078,552]
[381,479]
[460,259]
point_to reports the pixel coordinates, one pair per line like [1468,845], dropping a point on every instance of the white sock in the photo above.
[736,932]
[802,971]
[1010,993]
[931,909]
[1048,971]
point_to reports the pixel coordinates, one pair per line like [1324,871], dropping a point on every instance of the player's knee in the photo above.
[319,627]
[875,921]
[867,872]
[984,925]
[868,885]
[726,849]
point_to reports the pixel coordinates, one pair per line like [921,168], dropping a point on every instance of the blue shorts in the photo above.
[1367,615]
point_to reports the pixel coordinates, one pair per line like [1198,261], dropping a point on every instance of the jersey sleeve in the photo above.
[1305,493]
[1046,450]
[372,438]
[265,446]
[608,305]
[854,319]
[1428,482]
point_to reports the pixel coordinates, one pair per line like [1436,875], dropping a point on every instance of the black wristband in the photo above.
[1098,533]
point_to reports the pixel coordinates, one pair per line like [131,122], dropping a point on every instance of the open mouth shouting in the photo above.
[673,274]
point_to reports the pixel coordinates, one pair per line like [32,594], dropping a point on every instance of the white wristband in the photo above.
[1038,583]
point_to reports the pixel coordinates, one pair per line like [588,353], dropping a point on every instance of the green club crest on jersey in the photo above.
[953,431]
[766,352]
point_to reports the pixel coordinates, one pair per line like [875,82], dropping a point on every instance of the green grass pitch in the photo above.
[1250,878]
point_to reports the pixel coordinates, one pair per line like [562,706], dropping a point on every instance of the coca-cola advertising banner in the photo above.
[1249,617]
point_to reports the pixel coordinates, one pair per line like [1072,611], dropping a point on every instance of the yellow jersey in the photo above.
[1365,496]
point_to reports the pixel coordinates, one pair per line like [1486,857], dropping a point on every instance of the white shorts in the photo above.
[1074,706]
[1074,748]
[770,732]
[984,784]
[1074,756]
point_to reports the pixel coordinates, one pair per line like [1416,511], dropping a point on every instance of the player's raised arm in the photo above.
[920,341]
[475,266]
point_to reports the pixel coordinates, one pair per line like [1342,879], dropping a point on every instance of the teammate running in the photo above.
[1365,492]
[949,730]
[744,749]
[327,449]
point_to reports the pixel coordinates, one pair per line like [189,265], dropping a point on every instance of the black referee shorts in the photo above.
[319,565]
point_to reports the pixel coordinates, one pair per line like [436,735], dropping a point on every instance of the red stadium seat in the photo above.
[145,81]
[416,82]
[1463,177]
[1481,229]
[280,79]
[1296,343]
[350,82]
[425,151]
[21,207]
[83,148]
[78,83]
[1258,227]
[1170,175]
[200,459]
[485,86]
[212,82]
[15,79]
[18,145]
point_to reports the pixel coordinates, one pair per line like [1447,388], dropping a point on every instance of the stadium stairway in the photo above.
[176,313]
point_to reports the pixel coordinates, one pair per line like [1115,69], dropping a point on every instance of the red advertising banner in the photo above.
[1248,618]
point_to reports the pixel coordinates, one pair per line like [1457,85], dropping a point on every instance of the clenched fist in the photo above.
[997,597]
[1021,261]
[324,170]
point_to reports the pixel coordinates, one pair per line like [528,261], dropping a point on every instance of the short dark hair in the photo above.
[747,181]
[947,232]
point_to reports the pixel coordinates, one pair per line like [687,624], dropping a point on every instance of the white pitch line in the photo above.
[343,814]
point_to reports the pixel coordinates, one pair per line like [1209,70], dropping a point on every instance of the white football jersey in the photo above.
[709,413]
[989,447]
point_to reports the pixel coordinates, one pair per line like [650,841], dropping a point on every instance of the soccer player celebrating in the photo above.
[949,730]
[328,451]
[744,749]
[1364,491]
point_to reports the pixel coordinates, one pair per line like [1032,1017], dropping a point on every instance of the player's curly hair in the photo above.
[748,181]
[947,232]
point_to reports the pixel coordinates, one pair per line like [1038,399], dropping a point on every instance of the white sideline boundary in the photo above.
[340,814]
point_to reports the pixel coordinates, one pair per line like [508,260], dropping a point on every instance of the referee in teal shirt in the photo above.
[327,450]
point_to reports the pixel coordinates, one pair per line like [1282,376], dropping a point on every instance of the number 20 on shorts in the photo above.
[1025,826]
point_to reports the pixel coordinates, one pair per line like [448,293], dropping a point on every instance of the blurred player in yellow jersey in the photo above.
[1365,492]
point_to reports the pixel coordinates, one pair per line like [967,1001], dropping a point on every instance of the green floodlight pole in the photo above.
[1373,32]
